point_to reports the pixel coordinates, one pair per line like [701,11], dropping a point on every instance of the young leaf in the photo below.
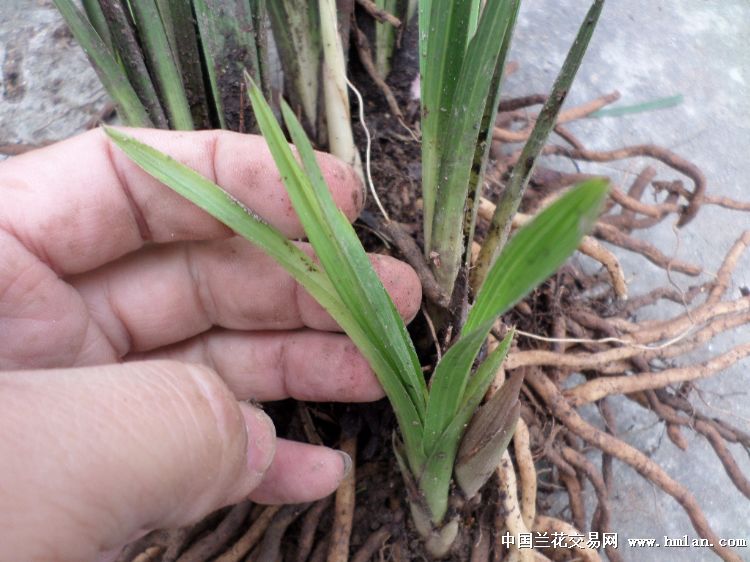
[487,437]
[441,455]
[386,343]
[536,251]
[221,205]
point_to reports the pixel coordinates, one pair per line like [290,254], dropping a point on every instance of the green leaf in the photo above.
[162,62]
[444,41]
[447,386]
[110,72]
[536,251]
[372,320]
[441,454]
[653,105]
[94,12]
[224,207]
[460,128]
[227,38]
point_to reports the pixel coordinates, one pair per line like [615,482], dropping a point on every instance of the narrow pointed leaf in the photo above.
[447,385]
[246,223]
[378,330]
[537,250]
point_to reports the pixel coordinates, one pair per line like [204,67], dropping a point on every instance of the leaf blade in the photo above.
[537,250]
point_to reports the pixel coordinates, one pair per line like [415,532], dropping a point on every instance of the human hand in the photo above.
[132,324]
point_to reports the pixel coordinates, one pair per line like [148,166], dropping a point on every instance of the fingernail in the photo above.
[261,438]
[347,460]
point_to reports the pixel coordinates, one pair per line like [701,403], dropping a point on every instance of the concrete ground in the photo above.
[651,49]
[646,50]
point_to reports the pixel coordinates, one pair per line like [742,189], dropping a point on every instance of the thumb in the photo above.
[91,458]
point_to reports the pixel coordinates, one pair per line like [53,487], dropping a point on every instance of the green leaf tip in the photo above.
[537,250]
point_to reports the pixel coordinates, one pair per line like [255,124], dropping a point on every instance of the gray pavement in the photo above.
[649,50]
[645,49]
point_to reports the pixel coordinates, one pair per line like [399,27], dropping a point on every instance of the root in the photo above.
[149,555]
[310,524]
[599,388]
[562,410]
[372,545]
[338,549]
[566,116]
[378,13]
[365,56]
[270,546]
[614,236]
[251,537]
[601,520]
[509,506]
[526,473]
[211,544]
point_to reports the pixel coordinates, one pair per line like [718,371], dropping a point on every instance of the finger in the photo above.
[168,293]
[301,473]
[92,457]
[81,203]
[264,366]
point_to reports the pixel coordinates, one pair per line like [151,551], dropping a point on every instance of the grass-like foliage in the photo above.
[177,64]
[431,423]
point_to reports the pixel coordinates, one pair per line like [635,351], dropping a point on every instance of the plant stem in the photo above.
[499,230]
[126,43]
[482,150]
[338,116]
[188,53]
[110,72]
[162,62]
[94,12]
[297,34]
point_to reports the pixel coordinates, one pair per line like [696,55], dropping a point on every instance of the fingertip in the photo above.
[301,473]
[261,440]
[402,284]
[345,184]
